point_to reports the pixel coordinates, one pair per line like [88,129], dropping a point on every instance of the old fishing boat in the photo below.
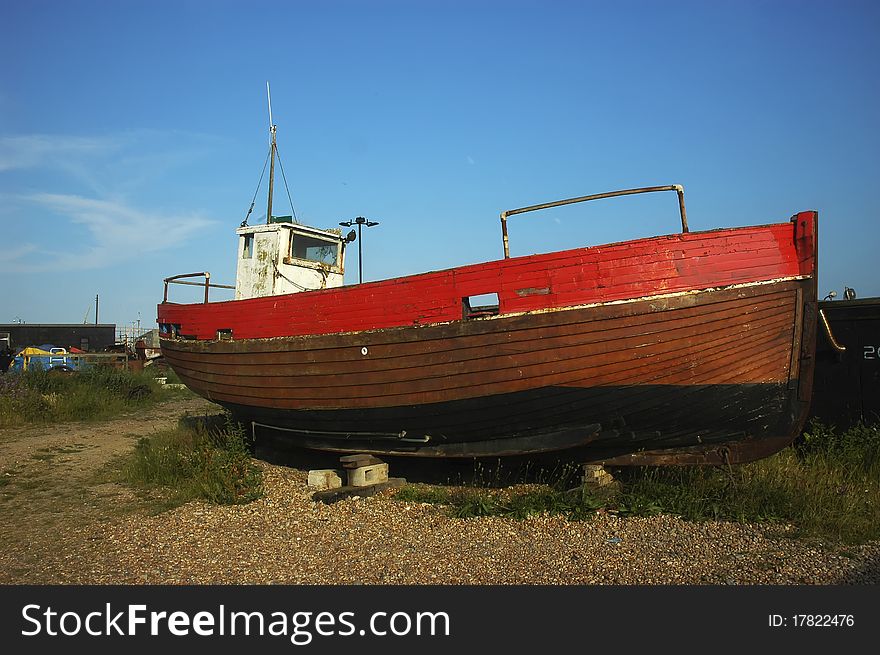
[687,348]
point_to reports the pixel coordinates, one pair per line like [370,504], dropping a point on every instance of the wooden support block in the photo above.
[358,460]
[332,495]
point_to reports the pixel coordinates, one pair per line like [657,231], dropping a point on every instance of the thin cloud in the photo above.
[96,194]
[9,256]
[107,165]
[115,231]
[37,150]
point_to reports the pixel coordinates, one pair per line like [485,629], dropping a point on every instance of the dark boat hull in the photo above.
[847,385]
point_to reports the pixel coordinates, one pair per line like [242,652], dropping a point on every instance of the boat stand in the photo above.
[596,480]
[366,475]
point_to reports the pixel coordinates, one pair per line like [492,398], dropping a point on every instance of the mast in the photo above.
[272,148]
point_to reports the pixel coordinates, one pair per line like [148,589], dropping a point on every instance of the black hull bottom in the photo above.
[620,425]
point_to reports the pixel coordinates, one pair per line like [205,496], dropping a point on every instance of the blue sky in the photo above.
[132,134]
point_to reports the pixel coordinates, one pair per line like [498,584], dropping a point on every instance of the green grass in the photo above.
[519,501]
[193,463]
[827,486]
[39,396]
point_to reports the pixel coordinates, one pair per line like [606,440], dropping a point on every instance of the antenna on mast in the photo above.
[269,97]
[271,155]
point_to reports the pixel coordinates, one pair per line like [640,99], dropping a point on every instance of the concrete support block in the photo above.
[594,471]
[363,476]
[595,475]
[324,479]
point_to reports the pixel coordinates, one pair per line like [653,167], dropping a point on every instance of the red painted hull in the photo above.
[694,347]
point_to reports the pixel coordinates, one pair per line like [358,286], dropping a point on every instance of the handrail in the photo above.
[611,194]
[831,338]
[176,279]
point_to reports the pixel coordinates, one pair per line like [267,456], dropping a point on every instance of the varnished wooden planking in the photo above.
[526,363]
[401,342]
[481,332]
[387,357]
[764,363]
[718,374]
[677,356]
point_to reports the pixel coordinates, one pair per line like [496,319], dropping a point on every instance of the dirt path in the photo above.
[48,487]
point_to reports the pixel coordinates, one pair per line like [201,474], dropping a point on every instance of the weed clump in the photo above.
[196,463]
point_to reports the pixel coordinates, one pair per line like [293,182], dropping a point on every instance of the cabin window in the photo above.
[485,304]
[313,249]
[247,248]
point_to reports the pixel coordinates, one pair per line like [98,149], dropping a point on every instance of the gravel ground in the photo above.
[62,527]
[286,538]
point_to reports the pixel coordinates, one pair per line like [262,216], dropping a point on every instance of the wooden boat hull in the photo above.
[707,373]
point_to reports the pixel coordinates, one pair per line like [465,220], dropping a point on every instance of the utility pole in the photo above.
[96,309]
[360,221]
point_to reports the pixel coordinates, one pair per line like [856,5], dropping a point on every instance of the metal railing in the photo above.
[178,279]
[611,194]
[829,334]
